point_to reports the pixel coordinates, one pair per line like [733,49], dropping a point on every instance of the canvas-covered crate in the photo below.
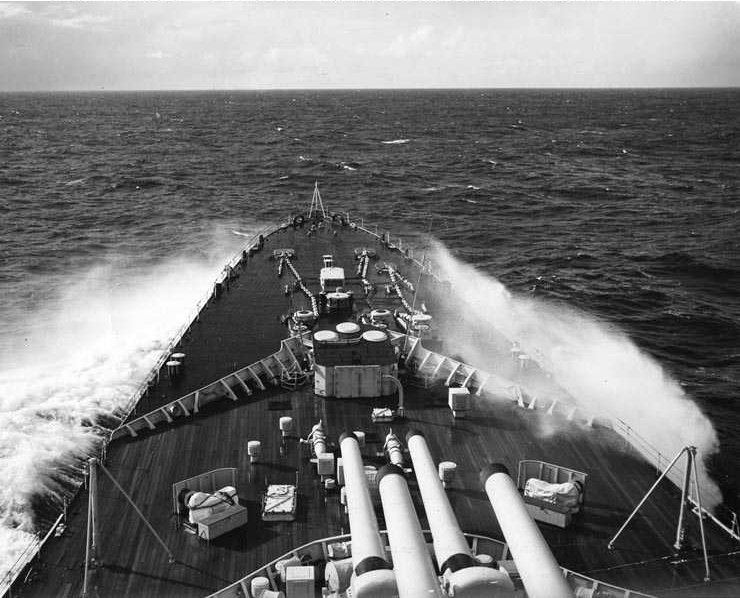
[552,493]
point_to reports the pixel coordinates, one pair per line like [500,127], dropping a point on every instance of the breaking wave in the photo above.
[600,367]
[72,362]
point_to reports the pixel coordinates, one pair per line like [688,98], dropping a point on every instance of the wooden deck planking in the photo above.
[135,565]
[507,440]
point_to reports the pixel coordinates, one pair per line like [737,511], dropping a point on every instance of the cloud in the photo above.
[80,21]
[69,15]
[318,44]
[411,43]
[453,39]
[158,55]
[9,10]
[300,56]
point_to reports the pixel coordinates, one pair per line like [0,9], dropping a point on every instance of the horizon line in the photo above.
[334,89]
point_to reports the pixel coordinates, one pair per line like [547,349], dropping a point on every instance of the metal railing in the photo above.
[34,546]
[192,402]
[424,266]
[725,518]
[644,447]
[192,317]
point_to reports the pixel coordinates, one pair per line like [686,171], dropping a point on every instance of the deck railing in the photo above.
[318,551]
[436,366]
[268,370]
[192,317]
[652,454]
[35,545]
[424,265]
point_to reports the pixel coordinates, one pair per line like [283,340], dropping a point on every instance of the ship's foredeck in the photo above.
[242,326]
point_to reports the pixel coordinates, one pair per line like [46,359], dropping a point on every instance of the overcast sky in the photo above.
[249,45]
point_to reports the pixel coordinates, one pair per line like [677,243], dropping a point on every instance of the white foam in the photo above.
[598,365]
[82,354]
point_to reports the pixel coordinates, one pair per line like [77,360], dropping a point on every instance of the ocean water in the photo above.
[119,209]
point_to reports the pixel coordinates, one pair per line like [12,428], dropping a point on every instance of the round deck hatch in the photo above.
[375,336]
[348,329]
[325,336]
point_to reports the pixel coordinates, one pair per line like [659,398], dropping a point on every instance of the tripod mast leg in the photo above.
[91,544]
[700,514]
[610,545]
[678,544]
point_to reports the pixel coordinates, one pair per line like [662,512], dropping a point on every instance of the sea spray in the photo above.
[596,364]
[77,358]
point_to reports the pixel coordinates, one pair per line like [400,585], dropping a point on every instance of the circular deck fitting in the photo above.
[447,471]
[254,450]
[303,315]
[173,368]
[286,425]
[325,336]
[348,330]
[485,560]
[374,336]
[380,316]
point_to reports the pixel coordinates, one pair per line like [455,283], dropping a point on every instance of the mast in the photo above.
[316,202]
[690,452]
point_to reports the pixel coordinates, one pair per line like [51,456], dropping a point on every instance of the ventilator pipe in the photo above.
[540,573]
[415,573]
[462,572]
[373,576]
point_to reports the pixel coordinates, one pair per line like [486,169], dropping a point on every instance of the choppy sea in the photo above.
[117,210]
